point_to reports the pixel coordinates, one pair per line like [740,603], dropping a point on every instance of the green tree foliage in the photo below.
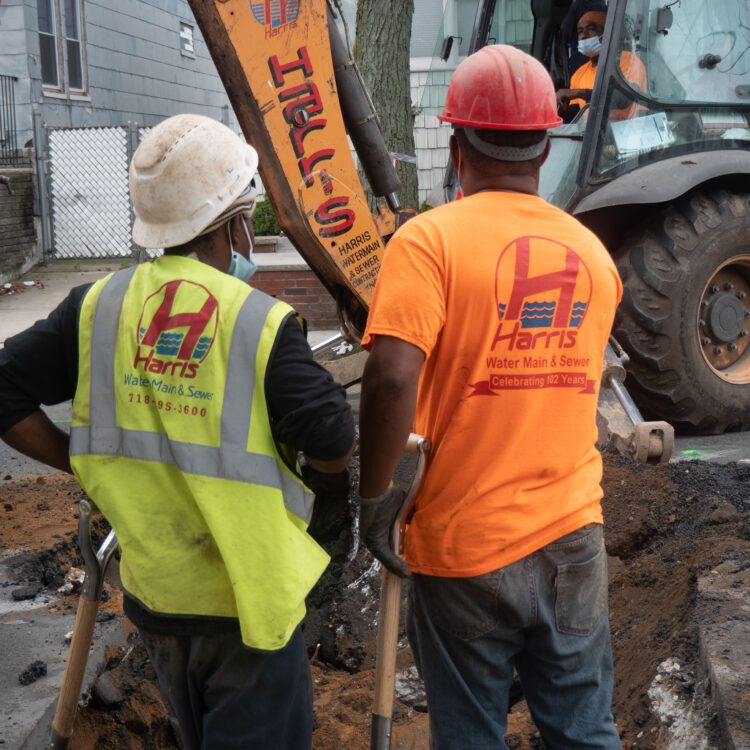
[264,219]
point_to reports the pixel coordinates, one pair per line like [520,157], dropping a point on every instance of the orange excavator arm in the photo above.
[297,94]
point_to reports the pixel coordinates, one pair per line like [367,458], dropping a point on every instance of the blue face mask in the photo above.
[240,267]
[590,47]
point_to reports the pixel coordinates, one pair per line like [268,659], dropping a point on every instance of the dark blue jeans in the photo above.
[546,615]
[226,696]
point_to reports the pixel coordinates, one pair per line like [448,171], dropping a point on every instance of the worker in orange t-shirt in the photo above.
[486,335]
[590,30]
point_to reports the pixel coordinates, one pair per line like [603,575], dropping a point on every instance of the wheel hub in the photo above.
[723,325]
[725,317]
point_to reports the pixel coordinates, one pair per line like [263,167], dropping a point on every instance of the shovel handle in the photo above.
[385,675]
[83,630]
[390,607]
[412,443]
[75,667]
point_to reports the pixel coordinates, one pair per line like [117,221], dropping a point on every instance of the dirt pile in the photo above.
[665,527]
[125,709]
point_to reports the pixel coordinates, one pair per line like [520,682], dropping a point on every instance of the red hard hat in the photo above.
[501,88]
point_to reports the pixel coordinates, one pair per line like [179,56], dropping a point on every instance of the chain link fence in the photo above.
[88,185]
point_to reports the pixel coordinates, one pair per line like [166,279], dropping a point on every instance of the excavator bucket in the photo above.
[619,420]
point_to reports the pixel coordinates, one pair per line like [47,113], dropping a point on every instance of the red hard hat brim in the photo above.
[556,122]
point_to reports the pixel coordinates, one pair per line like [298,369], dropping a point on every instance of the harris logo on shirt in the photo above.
[176,329]
[542,292]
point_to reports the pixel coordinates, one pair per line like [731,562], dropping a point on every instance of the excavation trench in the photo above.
[666,527]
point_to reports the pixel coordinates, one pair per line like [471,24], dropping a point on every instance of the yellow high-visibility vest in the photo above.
[171,439]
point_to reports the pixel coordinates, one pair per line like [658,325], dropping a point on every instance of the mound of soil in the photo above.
[665,527]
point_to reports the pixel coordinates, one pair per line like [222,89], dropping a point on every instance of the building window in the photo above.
[186,39]
[47,25]
[73,45]
[60,24]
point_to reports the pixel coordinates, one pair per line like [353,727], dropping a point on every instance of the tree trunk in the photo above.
[381,50]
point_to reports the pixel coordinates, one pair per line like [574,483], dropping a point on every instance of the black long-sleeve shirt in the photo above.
[308,409]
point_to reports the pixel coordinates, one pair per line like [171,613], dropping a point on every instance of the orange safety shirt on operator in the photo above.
[512,301]
[632,68]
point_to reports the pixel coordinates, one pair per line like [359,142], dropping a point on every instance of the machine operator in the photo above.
[590,31]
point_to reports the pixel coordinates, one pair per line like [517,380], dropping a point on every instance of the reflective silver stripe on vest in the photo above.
[231,460]
[103,338]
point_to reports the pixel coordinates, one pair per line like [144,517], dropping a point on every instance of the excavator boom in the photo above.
[276,60]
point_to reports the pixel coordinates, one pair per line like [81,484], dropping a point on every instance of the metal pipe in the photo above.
[360,119]
[40,158]
[634,415]
[328,342]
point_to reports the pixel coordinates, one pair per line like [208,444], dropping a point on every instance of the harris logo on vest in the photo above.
[176,329]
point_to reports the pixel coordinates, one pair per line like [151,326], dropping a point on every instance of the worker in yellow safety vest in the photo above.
[192,395]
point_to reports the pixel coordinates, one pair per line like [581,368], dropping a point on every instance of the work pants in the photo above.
[225,696]
[547,616]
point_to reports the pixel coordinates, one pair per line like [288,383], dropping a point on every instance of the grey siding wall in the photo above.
[517,24]
[135,67]
[14,61]
[428,89]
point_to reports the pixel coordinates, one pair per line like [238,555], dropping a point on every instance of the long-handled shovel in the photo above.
[83,631]
[390,605]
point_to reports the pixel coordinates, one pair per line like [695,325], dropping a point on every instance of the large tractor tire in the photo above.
[685,314]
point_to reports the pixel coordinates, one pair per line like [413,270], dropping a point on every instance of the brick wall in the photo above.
[18,246]
[302,290]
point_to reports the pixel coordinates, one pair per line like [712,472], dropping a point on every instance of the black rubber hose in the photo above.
[360,119]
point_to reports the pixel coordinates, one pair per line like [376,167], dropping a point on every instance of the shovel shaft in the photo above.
[385,677]
[83,630]
[390,603]
[62,726]
[390,609]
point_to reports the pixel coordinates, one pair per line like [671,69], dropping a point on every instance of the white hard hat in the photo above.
[186,171]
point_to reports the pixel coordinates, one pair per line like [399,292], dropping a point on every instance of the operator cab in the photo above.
[696,97]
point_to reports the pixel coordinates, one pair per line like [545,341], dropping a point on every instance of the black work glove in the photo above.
[376,518]
[331,510]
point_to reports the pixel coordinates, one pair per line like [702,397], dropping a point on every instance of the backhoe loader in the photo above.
[297,94]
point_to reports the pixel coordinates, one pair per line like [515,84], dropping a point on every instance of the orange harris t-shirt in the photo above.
[512,301]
